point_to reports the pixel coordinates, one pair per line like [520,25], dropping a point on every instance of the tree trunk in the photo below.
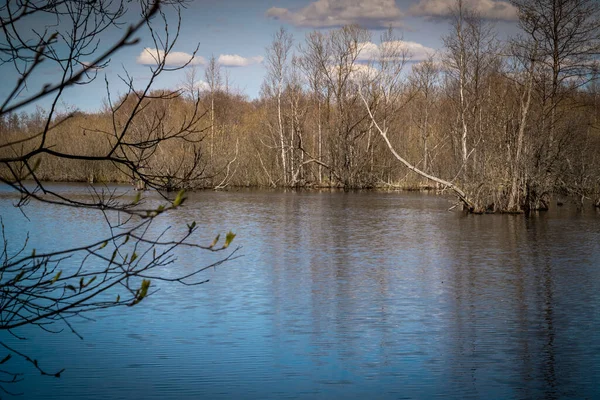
[281,138]
[513,204]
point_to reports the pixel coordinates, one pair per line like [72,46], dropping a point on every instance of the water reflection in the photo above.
[350,295]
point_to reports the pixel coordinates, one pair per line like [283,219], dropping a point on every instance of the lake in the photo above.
[338,295]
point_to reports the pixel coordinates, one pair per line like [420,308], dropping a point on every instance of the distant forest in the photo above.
[505,124]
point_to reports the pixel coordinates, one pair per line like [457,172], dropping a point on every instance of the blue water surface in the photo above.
[338,295]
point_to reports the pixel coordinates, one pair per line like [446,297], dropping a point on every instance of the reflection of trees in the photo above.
[366,284]
[540,253]
[508,326]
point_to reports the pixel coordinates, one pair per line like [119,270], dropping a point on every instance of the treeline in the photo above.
[507,123]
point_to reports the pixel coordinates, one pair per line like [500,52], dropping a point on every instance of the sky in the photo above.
[237,33]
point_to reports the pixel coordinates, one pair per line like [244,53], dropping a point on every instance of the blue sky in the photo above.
[237,32]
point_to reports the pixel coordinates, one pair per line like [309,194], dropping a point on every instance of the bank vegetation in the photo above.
[502,124]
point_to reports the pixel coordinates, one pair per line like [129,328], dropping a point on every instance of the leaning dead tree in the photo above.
[462,196]
[51,289]
[386,96]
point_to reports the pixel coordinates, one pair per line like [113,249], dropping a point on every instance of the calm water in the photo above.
[340,295]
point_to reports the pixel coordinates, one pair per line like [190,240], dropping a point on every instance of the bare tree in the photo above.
[313,53]
[471,49]
[524,54]
[566,34]
[277,55]
[296,116]
[191,85]
[43,289]
[425,78]
[212,75]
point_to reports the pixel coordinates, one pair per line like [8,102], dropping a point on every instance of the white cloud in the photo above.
[435,63]
[201,86]
[150,56]
[198,86]
[234,60]
[359,72]
[488,9]
[335,13]
[415,51]
[367,51]
[418,52]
